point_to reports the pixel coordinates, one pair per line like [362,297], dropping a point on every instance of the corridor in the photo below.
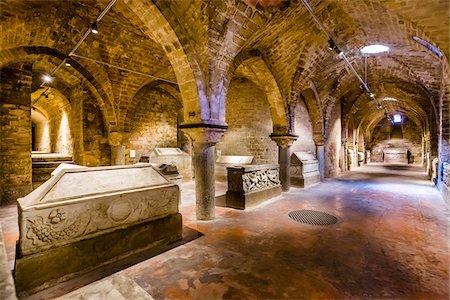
[391,241]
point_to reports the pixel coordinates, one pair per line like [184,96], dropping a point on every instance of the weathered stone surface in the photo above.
[249,186]
[130,207]
[395,155]
[7,289]
[173,156]
[117,287]
[38,271]
[224,161]
[304,169]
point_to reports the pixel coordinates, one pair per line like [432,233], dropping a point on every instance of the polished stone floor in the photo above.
[391,242]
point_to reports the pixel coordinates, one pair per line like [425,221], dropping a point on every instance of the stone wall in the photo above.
[15,132]
[153,122]
[97,151]
[333,143]
[58,110]
[249,124]
[303,129]
[412,139]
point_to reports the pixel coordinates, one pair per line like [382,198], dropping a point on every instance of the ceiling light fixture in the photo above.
[47,78]
[332,46]
[94,28]
[389,99]
[374,49]
[68,62]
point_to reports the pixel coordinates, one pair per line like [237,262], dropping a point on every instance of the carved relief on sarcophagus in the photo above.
[251,185]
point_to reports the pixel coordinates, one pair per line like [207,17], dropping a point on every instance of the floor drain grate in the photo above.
[312,217]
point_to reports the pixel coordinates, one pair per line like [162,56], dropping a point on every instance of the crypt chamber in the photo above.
[208,149]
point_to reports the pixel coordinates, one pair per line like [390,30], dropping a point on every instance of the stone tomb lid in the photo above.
[395,150]
[234,159]
[168,152]
[302,157]
[64,166]
[72,184]
[251,168]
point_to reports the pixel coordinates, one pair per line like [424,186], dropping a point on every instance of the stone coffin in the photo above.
[360,158]
[351,159]
[225,161]
[395,155]
[250,185]
[173,156]
[64,166]
[83,218]
[304,169]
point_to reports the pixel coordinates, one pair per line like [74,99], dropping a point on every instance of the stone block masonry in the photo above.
[15,132]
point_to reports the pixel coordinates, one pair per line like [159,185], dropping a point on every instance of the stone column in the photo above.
[204,138]
[320,150]
[15,133]
[284,143]
[117,149]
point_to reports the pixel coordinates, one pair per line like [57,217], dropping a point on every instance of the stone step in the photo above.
[41,177]
[52,164]
[51,157]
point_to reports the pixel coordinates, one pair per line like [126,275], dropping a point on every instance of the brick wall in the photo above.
[249,124]
[412,139]
[59,112]
[303,129]
[97,151]
[153,123]
[15,133]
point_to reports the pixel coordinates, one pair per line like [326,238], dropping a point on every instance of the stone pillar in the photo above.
[284,143]
[204,138]
[117,150]
[15,133]
[320,150]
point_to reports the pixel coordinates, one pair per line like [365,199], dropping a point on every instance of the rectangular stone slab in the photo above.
[235,159]
[173,156]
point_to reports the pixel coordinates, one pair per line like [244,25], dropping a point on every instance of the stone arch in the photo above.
[58,112]
[252,66]
[98,81]
[311,99]
[189,76]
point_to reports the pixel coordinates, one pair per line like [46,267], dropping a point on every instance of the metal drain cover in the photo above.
[312,217]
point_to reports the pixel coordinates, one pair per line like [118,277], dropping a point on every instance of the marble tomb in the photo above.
[251,185]
[304,169]
[83,218]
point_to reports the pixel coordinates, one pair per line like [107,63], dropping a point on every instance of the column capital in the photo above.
[284,140]
[115,138]
[204,134]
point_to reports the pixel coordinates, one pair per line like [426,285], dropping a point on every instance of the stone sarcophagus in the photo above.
[225,161]
[83,218]
[395,155]
[173,156]
[251,185]
[304,169]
